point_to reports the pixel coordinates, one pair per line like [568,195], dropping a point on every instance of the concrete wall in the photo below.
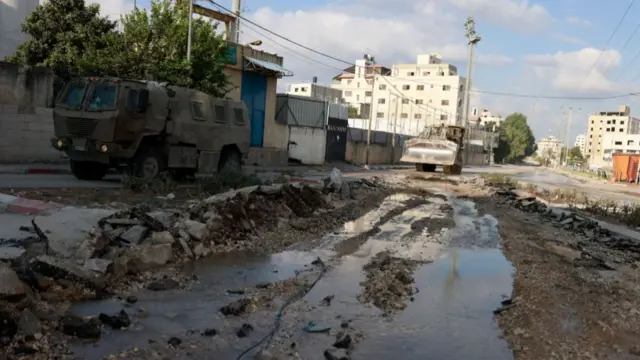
[26,120]
[276,135]
[378,153]
[307,145]
[25,134]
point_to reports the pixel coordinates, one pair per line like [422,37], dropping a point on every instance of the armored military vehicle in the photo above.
[436,145]
[148,128]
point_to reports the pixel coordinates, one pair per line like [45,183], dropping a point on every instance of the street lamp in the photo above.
[473,38]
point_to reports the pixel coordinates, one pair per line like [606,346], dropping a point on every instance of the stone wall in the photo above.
[26,119]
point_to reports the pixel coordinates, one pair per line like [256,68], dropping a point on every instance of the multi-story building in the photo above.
[581,141]
[483,117]
[606,130]
[316,91]
[356,85]
[12,13]
[549,147]
[425,93]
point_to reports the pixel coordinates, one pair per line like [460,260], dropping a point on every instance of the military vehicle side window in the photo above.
[197,111]
[220,113]
[138,100]
[132,99]
[238,117]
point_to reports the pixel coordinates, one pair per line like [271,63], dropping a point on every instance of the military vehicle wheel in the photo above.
[230,162]
[88,170]
[183,174]
[148,164]
[426,167]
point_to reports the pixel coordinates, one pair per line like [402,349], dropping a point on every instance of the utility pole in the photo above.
[473,39]
[369,61]
[190,30]
[235,8]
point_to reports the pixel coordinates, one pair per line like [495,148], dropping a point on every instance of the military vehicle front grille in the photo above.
[80,127]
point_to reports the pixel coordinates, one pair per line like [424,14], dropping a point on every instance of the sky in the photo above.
[541,48]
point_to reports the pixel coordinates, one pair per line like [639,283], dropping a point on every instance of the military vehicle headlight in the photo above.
[104,148]
[59,144]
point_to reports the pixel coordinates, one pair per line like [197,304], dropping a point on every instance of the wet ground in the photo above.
[460,277]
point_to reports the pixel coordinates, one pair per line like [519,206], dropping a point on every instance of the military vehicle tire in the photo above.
[183,174]
[230,162]
[454,169]
[88,170]
[148,164]
[426,167]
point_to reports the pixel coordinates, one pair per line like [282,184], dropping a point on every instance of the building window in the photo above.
[426,73]
[381,100]
[411,73]
[347,93]
[613,121]
[622,122]
[405,101]
[404,116]
[607,130]
[446,87]
[417,116]
[380,115]
[382,87]
[444,117]
[461,88]
[621,130]
[358,84]
[367,93]
[349,82]
[304,89]
[419,102]
[459,103]
[629,142]
[592,121]
[420,87]
[357,97]
[591,129]
[608,122]
[406,87]
[590,136]
[444,102]
[618,143]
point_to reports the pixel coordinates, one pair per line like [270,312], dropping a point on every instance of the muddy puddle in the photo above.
[461,279]
[546,178]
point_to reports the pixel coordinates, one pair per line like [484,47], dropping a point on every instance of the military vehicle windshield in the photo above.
[73,95]
[103,97]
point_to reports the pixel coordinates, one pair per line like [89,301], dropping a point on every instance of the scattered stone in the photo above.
[162,237]
[79,327]
[163,285]
[131,299]
[327,300]
[29,324]
[135,234]
[11,287]
[174,341]
[235,308]
[101,266]
[185,247]
[117,321]
[63,269]
[8,325]
[210,332]
[196,229]
[244,331]
[149,256]
[343,342]
[264,355]
[336,354]
[201,251]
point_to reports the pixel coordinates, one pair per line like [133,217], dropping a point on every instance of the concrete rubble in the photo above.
[97,252]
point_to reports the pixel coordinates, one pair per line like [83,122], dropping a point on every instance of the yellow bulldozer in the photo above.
[436,146]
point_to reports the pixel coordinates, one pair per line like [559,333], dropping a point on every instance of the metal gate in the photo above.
[336,139]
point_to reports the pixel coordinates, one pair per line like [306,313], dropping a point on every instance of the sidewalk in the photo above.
[63,169]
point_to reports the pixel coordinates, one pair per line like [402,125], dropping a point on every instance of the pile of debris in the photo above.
[595,238]
[389,282]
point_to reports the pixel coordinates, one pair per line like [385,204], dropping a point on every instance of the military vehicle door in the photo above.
[135,100]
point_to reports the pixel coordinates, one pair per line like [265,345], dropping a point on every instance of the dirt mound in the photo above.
[389,282]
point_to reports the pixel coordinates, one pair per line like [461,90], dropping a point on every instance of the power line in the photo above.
[427,83]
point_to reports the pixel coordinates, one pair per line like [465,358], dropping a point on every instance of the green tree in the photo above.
[60,31]
[73,39]
[516,139]
[353,112]
[575,155]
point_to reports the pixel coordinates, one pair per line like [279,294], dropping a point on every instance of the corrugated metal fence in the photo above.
[377,137]
[303,111]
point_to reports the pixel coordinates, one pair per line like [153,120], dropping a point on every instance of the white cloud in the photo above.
[578,21]
[349,31]
[515,14]
[569,39]
[575,71]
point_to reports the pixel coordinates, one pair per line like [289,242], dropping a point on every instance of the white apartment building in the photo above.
[410,95]
[549,146]
[425,93]
[484,117]
[356,84]
[581,141]
[316,91]
[610,130]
